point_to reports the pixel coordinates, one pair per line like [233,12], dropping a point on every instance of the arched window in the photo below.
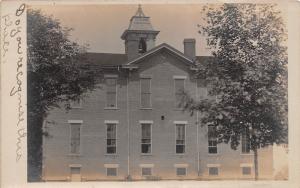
[142,46]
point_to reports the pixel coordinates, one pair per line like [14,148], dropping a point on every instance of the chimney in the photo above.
[189,48]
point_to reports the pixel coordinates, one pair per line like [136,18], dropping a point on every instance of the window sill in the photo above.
[247,154]
[180,154]
[247,175]
[213,154]
[79,107]
[145,108]
[74,155]
[111,108]
[178,109]
[111,155]
[146,154]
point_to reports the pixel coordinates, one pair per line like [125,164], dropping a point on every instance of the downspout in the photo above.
[197,124]
[128,128]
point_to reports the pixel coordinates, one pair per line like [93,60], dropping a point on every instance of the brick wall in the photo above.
[161,67]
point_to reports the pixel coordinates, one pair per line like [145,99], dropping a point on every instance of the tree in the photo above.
[55,76]
[248,75]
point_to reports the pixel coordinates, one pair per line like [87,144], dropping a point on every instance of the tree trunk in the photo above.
[34,147]
[255,164]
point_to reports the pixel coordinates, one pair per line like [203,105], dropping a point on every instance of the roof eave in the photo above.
[123,36]
[154,50]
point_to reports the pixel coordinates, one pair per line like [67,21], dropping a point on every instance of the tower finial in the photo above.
[140,12]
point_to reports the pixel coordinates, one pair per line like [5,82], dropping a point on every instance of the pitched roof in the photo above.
[105,59]
[139,21]
[159,48]
[114,60]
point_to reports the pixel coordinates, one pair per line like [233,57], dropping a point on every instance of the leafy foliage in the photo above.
[55,75]
[248,74]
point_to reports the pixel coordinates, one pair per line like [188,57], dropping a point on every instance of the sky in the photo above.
[101,26]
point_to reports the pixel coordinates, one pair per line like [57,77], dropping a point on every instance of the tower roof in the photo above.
[139,21]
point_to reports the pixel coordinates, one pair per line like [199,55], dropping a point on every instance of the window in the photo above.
[202,93]
[75,138]
[246,170]
[76,103]
[111,92]
[180,138]
[202,89]
[179,88]
[145,92]
[75,170]
[181,171]
[146,138]
[111,138]
[213,171]
[212,140]
[111,171]
[142,46]
[246,142]
[75,173]
[146,171]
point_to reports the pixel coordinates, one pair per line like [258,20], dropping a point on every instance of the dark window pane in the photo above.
[179,85]
[246,170]
[146,131]
[111,149]
[111,142]
[111,100]
[180,149]
[146,100]
[146,148]
[145,85]
[212,150]
[213,171]
[180,142]
[180,171]
[246,142]
[146,171]
[180,132]
[212,132]
[111,171]
[145,92]
[179,88]
[75,170]
[75,138]
[146,141]
[212,143]
[146,138]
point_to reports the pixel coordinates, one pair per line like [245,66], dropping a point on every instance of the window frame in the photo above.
[208,142]
[242,143]
[76,106]
[213,167]
[174,89]
[185,124]
[112,122]
[72,123]
[246,165]
[106,91]
[209,166]
[150,91]
[176,170]
[106,170]
[73,166]
[151,170]
[242,168]
[142,46]
[141,142]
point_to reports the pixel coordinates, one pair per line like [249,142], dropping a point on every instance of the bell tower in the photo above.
[140,35]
